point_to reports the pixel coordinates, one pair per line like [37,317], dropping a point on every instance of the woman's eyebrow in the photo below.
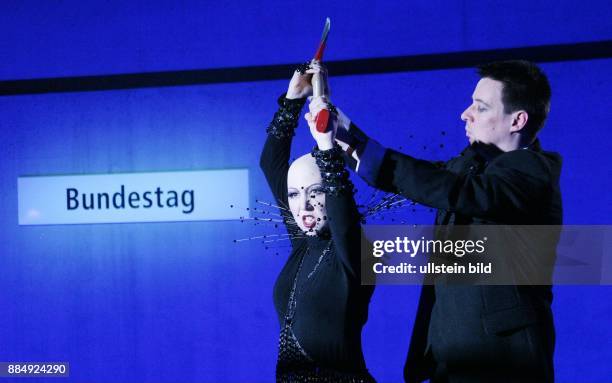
[317,185]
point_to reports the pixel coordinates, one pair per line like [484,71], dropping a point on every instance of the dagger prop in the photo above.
[318,89]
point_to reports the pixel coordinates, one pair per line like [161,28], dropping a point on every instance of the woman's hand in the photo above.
[325,141]
[300,85]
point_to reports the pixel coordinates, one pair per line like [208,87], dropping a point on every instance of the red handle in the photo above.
[322,120]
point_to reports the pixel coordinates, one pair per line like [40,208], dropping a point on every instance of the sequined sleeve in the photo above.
[342,214]
[274,160]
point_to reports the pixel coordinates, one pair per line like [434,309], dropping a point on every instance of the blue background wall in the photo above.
[164,302]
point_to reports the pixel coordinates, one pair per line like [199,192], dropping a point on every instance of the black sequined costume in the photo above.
[320,302]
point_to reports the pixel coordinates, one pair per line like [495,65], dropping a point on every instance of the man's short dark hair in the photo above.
[525,88]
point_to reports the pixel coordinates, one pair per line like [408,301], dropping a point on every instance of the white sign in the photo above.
[133,197]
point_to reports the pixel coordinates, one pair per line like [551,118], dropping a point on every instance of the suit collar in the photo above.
[488,152]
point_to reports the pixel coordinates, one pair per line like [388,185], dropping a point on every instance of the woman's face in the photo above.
[306,196]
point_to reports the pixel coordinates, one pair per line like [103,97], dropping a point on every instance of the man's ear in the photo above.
[519,120]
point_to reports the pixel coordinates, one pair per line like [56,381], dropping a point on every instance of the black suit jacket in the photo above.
[477,333]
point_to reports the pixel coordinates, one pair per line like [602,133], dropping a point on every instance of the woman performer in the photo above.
[320,302]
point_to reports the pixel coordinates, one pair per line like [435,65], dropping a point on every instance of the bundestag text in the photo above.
[135,200]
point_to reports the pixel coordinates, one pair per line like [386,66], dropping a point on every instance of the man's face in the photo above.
[485,120]
[306,196]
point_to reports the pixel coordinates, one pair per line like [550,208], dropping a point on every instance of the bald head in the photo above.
[303,171]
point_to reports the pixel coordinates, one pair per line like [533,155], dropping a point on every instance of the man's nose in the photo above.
[466,115]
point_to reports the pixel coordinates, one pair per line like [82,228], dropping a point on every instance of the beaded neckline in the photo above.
[292,298]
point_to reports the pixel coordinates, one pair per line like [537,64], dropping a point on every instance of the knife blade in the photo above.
[319,54]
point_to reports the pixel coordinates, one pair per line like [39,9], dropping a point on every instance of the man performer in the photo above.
[478,333]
